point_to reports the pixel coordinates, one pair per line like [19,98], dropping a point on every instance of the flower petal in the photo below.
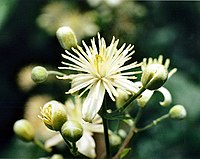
[167,96]
[91,127]
[86,145]
[146,95]
[93,101]
[53,141]
[126,85]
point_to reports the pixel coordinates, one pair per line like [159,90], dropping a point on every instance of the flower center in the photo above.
[99,63]
[46,114]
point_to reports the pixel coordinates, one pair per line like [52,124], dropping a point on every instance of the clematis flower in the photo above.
[99,70]
[147,94]
[86,144]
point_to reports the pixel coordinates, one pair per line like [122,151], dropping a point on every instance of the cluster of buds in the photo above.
[54,117]
[54,114]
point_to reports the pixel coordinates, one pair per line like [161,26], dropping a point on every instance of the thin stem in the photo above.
[41,145]
[125,143]
[56,73]
[139,113]
[105,126]
[134,130]
[137,94]
[154,123]
[106,137]
[74,149]
[67,142]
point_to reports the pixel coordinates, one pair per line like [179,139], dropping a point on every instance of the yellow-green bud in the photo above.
[66,37]
[115,141]
[53,115]
[24,130]
[39,74]
[122,133]
[57,156]
[154,76]
[177,112]
[122,98]
[72,131]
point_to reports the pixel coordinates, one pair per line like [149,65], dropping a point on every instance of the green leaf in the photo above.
[124,153]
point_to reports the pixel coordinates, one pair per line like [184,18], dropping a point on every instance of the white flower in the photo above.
[86,144]
[147,94]
[100,70]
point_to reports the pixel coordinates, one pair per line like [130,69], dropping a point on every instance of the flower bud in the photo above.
[154,76]
[177,112]
[121,98]
[24,130]
[66,37]
[39,74]
[115,141]
[57,156]
[53,115]
[122,133]
[72,131]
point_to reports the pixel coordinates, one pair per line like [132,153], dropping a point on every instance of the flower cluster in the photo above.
[95,72]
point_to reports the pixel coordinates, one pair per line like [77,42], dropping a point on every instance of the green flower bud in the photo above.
[177,112]
[24,130]
[39,74]
[66,37]
[53,115]
[57,156]
[122,133]
[72,131]
[121,98]
[154,76]
[115,142]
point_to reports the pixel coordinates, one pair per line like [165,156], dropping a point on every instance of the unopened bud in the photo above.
[57,156]
[39,74]
[66,37]
[154,76]
[53,115]
[121,98]
[122,133]
[115,141]
[72,131]
[177,112]
[24,130]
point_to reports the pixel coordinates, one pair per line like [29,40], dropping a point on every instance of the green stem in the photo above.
[139,113]
[106,137]
[67,142]
[137,94]
[118,113]
[105,126]
[74,149]
[125,143]
[41,145]
[154,123]
[55,73]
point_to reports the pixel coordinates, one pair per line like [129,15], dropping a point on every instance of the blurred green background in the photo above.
[27,36]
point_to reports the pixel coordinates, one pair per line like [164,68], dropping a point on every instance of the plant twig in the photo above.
[153,123]
[105,126]
[125,143]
